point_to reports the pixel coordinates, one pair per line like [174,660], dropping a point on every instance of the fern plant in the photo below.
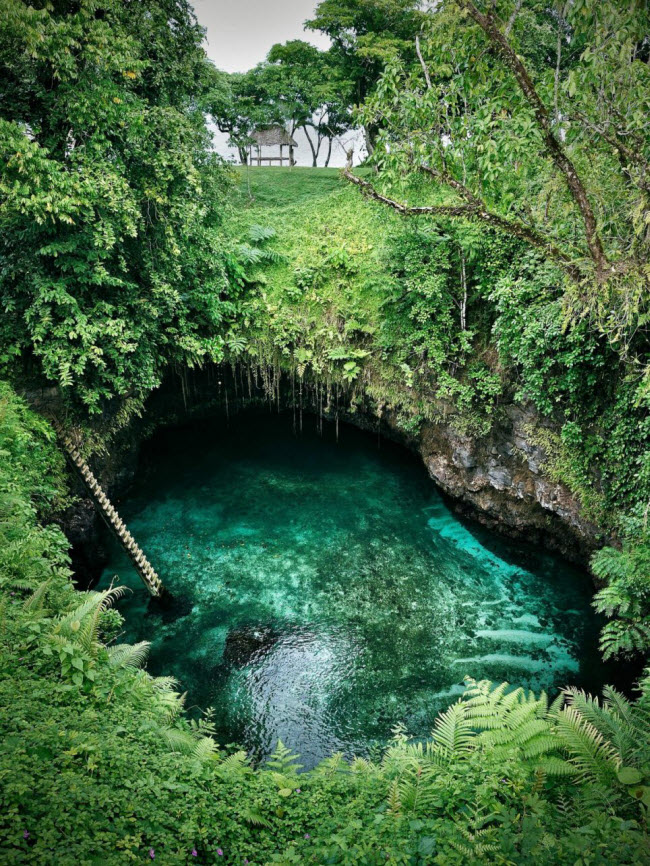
[606,741]
[258,233]
[476,836]
[283,761]
[283,765]
[256,252]
[74,635]
[194,737]
[625,596]
[510,721]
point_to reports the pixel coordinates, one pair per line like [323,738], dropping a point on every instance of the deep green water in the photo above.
[326,592]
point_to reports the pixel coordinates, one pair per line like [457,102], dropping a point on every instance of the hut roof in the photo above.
[272,136]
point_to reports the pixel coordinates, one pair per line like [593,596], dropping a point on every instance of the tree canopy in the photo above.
[546,143]
[366,33]
[110,199]
[298,86]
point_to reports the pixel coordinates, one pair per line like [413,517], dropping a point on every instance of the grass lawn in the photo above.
[279,187]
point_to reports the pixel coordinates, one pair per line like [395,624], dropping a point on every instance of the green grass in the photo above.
[278,187]
[328,240]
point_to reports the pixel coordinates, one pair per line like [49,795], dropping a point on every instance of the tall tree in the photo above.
[532,118]
[109,199]
[365,35]
[309,89]
[237,103]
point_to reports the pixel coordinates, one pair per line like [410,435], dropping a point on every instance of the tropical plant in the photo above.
[626,596]
[110,201]
[497,132]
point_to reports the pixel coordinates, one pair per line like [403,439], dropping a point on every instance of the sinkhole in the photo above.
[325,593]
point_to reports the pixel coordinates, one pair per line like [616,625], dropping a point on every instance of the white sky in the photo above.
[240,32]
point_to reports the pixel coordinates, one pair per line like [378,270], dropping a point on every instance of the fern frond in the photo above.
[589,751]
[164,684]
[517,736]
[611,564]
[394,804]
[126,655]
[178,740]
[234,765]
[508,702]
[259,233]
[617,730]
[556,706]
[617,703]
[540,745]
[625,637]
[254,817]
[204,748]
[453,731]
[250,255]
[92,602]
[486,723]
[283,760]
[542,705]
[613,600]
[36,599]
[557,767]
[336,763]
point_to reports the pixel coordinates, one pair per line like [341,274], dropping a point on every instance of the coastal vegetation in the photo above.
[493,249]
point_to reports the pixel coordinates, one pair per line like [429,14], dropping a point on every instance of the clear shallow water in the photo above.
[326,593]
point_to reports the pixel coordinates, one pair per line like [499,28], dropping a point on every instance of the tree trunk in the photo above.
[463,283]
[368,137]
[329,152]
[314,151]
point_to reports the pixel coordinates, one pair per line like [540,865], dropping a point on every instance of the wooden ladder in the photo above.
[103,504]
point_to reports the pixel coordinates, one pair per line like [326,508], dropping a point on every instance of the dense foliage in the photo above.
[510,121]
[513,281]
[110,200]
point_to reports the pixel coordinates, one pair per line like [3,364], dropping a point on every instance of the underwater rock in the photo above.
[245,642]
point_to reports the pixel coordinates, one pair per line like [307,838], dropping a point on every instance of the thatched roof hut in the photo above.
[271,136]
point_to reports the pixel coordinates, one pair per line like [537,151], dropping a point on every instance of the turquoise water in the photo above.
[325,593]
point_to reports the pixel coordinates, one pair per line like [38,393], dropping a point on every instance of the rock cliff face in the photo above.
[499,481]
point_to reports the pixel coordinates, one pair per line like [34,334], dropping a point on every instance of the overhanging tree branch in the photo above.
[615,139]
[513,17]
[474,209]
[551,143]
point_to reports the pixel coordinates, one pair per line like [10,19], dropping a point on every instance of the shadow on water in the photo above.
[324,593]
